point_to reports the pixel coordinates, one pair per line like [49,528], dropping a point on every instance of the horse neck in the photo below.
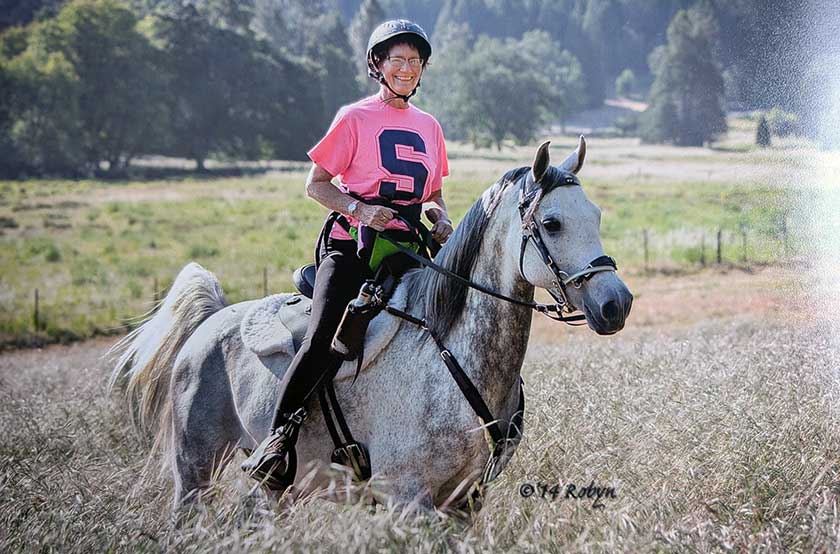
[491,335]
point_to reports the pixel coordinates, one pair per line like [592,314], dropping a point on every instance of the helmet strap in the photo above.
[404,97]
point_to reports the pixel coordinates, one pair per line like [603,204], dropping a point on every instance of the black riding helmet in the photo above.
[389,30]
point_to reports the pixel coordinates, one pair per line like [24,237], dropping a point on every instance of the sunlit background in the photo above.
[818,208]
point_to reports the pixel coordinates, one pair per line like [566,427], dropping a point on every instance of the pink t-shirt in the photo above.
[377,150]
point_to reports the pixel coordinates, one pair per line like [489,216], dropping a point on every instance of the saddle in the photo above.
[276,325]
[369,333]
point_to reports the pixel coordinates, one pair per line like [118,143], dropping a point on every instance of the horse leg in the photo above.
[206,428]
[413,493]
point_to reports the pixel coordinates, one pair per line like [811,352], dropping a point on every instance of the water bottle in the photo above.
[350,335]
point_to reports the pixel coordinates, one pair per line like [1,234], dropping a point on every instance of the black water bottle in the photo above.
[350,335]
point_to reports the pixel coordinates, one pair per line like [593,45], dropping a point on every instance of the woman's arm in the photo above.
[435,210]
[319,187]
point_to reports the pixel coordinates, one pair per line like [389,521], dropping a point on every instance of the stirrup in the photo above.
[276,468]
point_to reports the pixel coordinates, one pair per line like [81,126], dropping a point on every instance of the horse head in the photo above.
[560,246]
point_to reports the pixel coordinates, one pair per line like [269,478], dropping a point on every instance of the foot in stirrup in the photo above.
[274,461]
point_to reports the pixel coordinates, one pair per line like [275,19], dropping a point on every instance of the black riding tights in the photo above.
[339,278]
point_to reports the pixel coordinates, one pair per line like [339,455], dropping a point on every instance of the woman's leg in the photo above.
[339,278]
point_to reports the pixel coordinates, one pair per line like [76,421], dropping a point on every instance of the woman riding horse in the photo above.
[390,158]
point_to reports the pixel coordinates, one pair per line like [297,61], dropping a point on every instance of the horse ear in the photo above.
[575,160]
[541,161]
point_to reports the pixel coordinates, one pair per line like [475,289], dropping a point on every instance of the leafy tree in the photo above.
[494,89]
[41,102]
[314,32]
[231,94]
[442,91]
[762,134]
[21,12]
[660,122]
[625,83]
[368,16]
[87,89]
[688,89]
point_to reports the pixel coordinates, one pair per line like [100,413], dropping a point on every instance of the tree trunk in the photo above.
[199,165]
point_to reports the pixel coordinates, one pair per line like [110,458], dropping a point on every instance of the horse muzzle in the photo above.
[607,304]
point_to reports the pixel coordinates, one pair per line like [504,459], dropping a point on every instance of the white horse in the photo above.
[204,375]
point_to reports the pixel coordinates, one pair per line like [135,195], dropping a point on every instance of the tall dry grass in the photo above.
[717,437]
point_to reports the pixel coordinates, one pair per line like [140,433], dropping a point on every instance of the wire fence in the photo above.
[648,250]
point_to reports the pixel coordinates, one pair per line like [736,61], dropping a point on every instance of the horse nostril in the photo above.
[610,311]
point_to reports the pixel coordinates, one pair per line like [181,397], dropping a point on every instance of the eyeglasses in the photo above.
[399,61]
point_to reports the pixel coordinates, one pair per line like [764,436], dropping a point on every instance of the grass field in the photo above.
[714,416]
[717,436]
[98,252]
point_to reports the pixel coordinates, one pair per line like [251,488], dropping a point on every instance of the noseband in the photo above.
[528,202]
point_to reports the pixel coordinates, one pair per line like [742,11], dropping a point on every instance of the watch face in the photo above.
[351,207]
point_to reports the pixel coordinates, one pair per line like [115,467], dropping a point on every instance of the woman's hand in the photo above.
[374,216]
[441,230]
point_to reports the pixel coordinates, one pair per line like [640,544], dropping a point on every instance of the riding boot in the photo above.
[274,461]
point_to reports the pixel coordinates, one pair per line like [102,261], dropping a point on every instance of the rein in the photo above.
[527,205]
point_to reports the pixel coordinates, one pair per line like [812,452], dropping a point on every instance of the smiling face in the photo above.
[398,70]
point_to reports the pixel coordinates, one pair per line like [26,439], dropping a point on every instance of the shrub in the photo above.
[783,123]
[762,134]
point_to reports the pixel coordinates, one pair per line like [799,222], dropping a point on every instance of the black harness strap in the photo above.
[461,378]
[328,416]
[339,415]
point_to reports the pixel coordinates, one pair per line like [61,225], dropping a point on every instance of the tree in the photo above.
[491,90]
[762,134]
[314,32]
[88,89]
[625,83]
[688,84]
[368,16]
[231,94]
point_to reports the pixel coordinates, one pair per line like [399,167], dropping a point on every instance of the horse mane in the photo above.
[444,298]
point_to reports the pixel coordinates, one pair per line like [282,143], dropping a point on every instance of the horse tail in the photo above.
[148,353]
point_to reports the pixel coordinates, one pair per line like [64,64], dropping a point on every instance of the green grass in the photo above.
[98,252]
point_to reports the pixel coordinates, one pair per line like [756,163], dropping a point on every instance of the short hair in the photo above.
[380,51]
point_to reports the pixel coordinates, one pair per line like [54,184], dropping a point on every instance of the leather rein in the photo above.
[530,233]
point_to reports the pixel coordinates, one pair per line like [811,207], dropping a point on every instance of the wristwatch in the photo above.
[352,207]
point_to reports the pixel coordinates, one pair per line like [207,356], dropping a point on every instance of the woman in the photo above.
[390,158]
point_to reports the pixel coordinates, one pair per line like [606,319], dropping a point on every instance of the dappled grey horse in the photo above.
[204,375]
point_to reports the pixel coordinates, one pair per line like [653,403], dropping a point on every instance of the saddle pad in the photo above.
[277,324]
[264,328]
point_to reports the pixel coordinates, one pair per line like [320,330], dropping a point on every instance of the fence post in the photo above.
[703,250]
[785,236]
[719,244]
[155,291]
[265,281]
[35,312]
[647,252]
[744,243]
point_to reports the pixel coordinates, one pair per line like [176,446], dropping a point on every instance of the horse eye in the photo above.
[551,224]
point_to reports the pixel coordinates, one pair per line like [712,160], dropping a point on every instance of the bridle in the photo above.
[528,202]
